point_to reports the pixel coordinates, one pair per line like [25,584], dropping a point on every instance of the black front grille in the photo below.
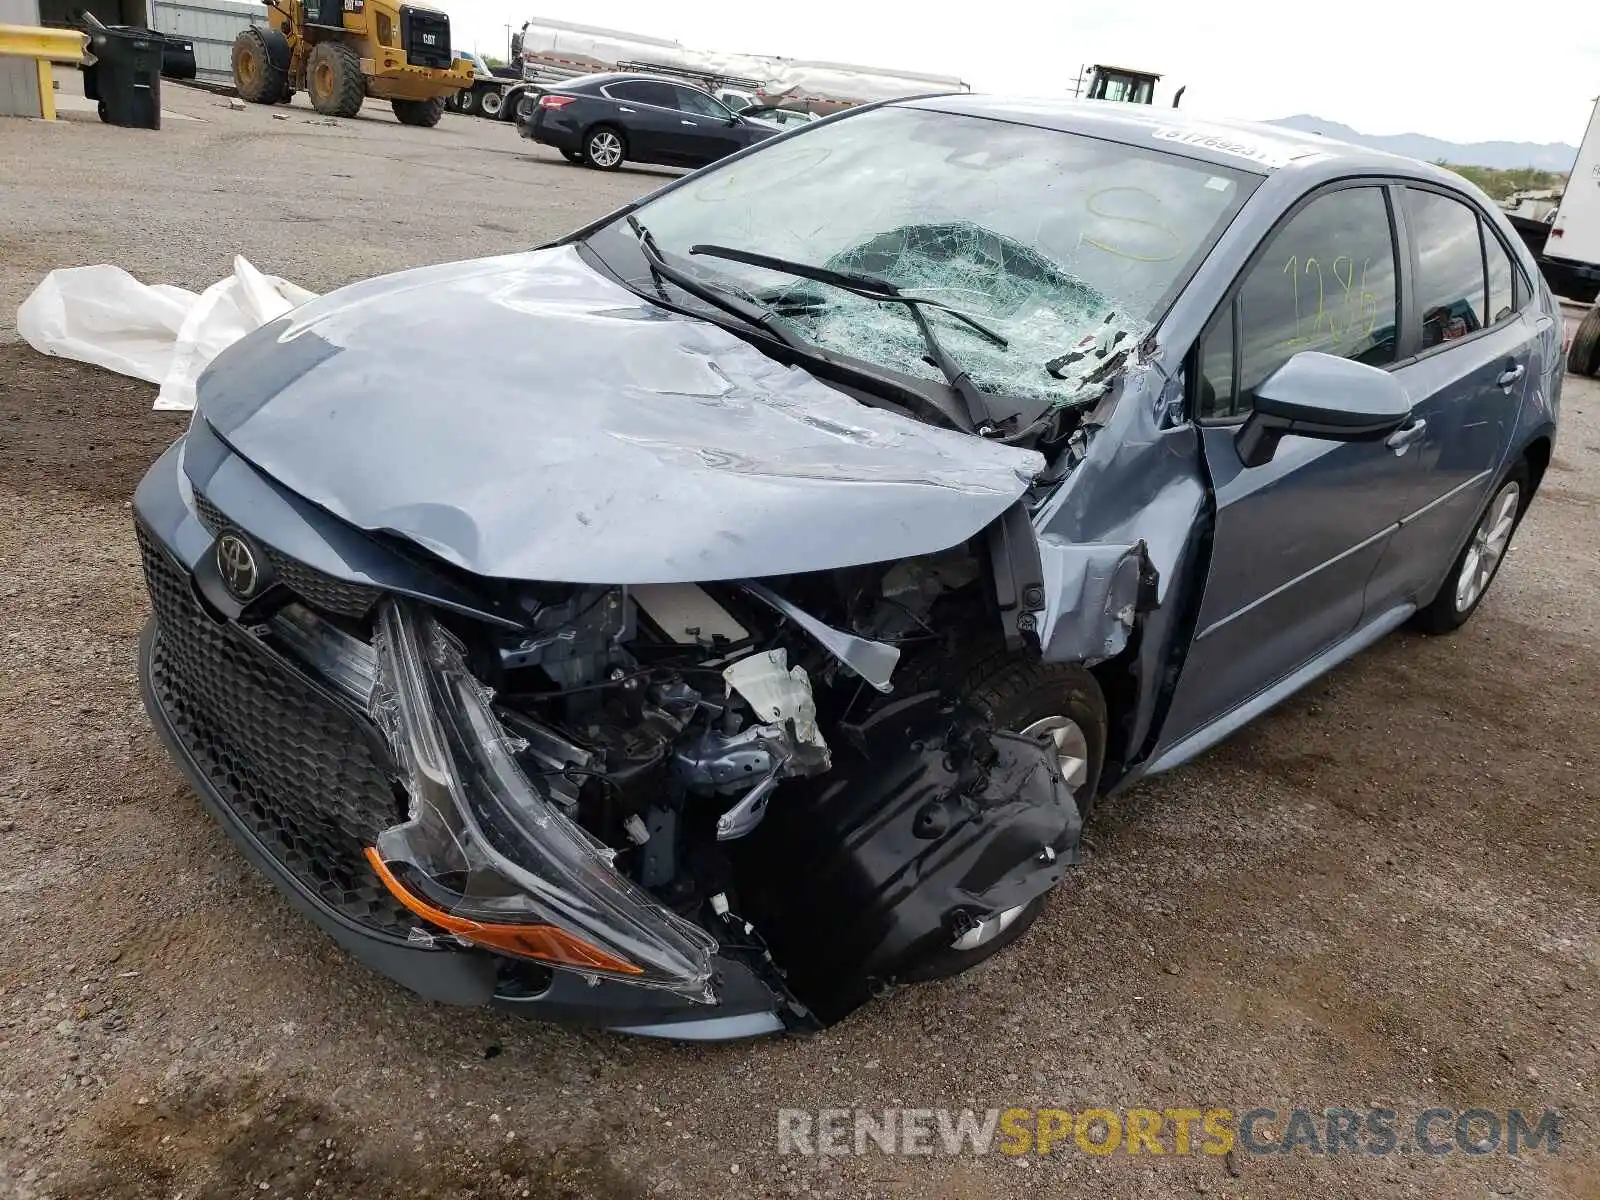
[426,37]
[301,772]
[317,588]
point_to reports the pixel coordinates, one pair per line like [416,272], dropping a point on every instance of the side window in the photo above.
[1325,282]
[1502,300]
[1451,292]
[643,91]
[701,105]
[1215,400]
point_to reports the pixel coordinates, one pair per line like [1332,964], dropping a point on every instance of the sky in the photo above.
[1513,72]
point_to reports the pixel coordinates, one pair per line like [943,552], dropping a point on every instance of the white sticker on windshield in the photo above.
[1266,154]
[1217,183]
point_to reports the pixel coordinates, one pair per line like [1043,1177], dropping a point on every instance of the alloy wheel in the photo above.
[1487,546]
[605,148]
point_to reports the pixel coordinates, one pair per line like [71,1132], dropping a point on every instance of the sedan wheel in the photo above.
[1479,561]
[1487,547]
[604,149]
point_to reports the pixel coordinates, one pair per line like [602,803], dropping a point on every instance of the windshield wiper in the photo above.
[738,306]
[759,315]
[869,287]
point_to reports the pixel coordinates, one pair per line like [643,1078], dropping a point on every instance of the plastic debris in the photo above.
[166,335]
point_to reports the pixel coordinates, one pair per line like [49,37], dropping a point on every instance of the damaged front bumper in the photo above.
[304,781]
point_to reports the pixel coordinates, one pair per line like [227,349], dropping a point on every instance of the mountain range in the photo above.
[1547,156]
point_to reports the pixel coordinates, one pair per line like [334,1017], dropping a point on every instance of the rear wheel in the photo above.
[1479,561]
[490,103]
[334,80]
[258,80]
[604,148]
[425,113]
[526,103]
[1059,704]
[1584,357]
[466,102]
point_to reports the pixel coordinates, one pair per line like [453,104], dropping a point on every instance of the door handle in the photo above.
[628,110]
[1400,440]
[685,122]
[1507,378]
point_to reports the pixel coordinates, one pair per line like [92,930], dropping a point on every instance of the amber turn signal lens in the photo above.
[544,942]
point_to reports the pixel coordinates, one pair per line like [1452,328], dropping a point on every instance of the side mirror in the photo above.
[1319,395]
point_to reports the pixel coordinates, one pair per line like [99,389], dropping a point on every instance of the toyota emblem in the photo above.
[236,562]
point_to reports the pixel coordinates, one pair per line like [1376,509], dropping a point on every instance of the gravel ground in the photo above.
[1386,891]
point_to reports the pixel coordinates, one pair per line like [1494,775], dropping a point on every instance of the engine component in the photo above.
[775,693]
[721,762]
[872,661]
[688,614]
[572,640]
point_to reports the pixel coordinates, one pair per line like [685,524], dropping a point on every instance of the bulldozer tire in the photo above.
[425,113]
[334,80]
[1584,357]
[259,60]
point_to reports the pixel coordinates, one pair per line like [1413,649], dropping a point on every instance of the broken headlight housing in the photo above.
[485,856]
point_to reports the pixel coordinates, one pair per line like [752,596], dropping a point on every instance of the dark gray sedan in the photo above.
[704,623]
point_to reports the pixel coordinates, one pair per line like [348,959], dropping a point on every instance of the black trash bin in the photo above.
[126,76]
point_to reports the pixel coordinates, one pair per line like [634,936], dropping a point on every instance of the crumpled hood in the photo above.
[524,417]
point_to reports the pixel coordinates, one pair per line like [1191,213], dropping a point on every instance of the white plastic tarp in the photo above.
[166,335]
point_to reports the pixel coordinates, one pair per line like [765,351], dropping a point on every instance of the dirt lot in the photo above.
[1384,892]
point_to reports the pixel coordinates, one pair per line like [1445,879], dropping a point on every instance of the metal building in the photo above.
[211,25]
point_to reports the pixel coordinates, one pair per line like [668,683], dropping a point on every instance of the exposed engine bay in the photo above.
[655,775]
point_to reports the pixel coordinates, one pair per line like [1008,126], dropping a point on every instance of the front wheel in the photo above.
[1061,705]
[1479,561]
[334,80]
[425,113]
[603,149]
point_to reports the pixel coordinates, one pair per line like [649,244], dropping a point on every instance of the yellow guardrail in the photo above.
[45,46]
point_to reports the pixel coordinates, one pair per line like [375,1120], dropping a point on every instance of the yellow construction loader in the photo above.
[341,51]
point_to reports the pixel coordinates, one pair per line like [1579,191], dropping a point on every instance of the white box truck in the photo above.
[1571,259]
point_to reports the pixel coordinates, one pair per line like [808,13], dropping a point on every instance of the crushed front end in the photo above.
[587,802]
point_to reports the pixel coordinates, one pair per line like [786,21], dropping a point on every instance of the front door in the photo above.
[1296,538]
[707,131]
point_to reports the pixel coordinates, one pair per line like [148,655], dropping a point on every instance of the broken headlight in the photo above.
[484,855]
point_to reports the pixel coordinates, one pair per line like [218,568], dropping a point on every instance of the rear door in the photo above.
[1296,539]
[647,111]
[1470,358]
[707,130]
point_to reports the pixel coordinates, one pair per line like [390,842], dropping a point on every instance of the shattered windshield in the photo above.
[1063,244]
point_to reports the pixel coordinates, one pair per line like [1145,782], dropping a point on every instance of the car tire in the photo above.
[1584,357]
[422,113]
[490,103]
[1018,695]
[256,73]
[604,148]
[334,80]
[1479,561]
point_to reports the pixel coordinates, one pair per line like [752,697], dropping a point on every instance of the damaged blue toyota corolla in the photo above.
[707,622]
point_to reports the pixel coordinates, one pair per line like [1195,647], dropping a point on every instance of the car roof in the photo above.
[1243,145]
[601,78]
